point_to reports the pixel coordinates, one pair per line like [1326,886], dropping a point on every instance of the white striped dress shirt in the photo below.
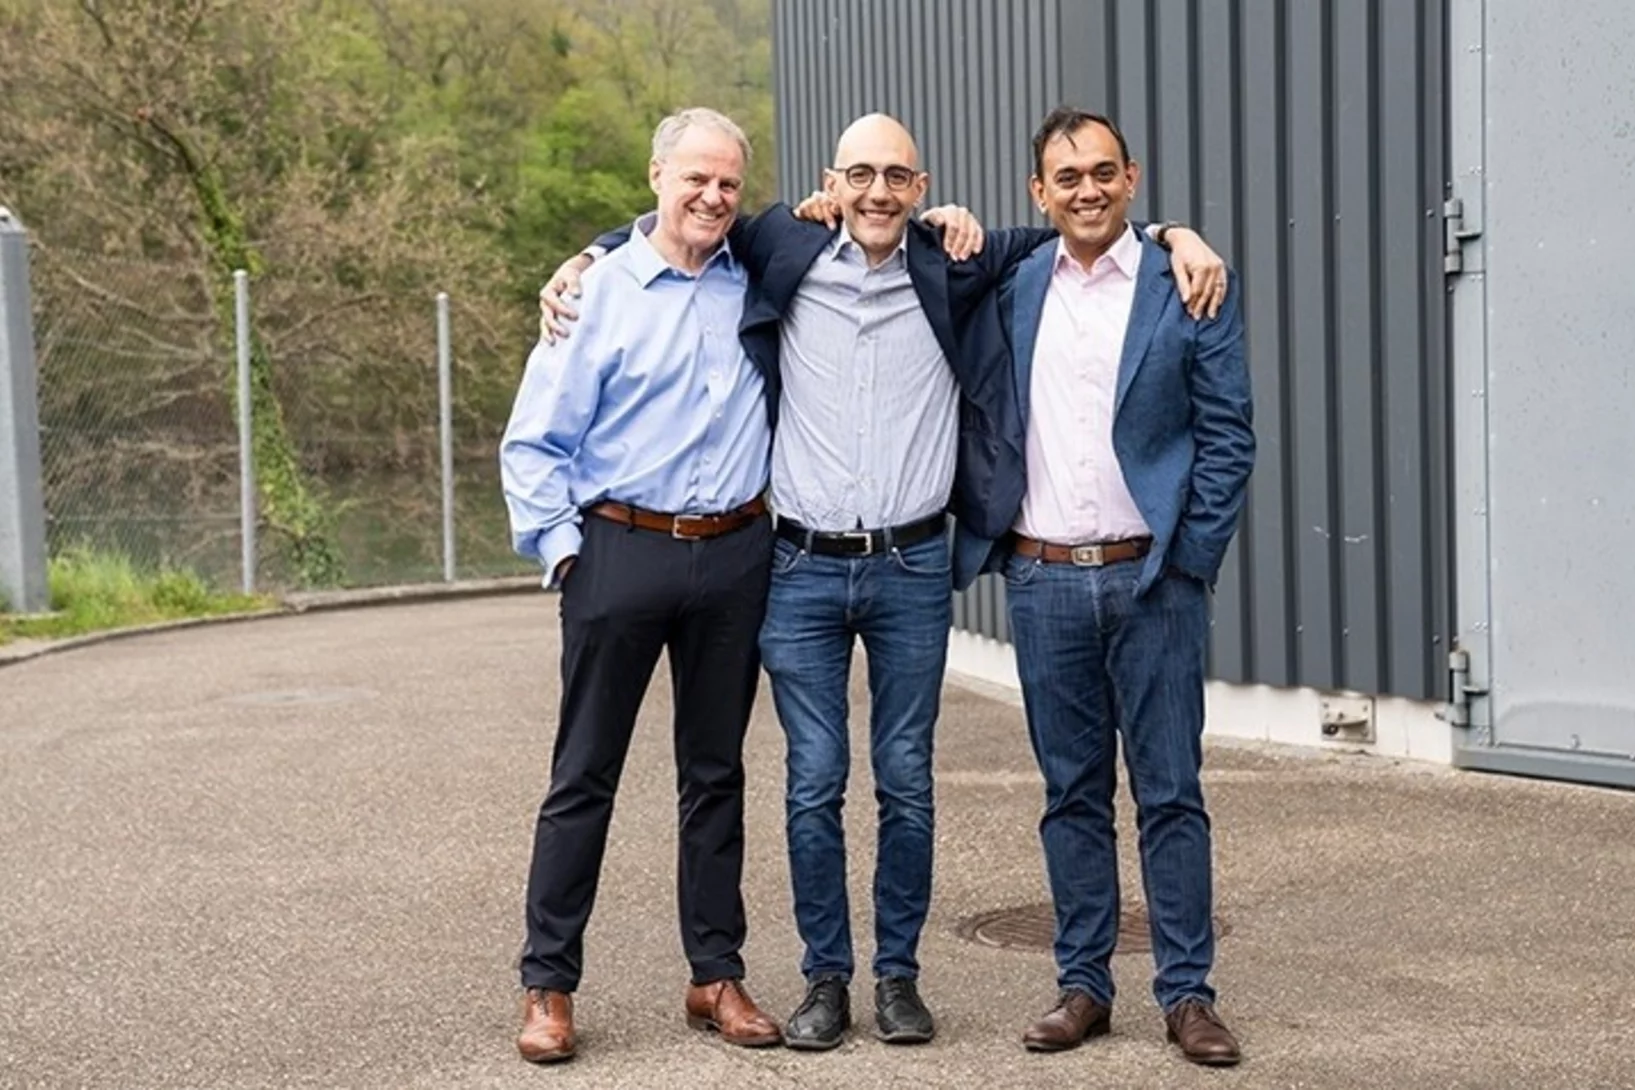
[868,423]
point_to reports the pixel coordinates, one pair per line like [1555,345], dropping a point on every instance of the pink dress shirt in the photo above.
[1076,491]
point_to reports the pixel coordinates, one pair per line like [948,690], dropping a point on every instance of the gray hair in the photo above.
[670,130]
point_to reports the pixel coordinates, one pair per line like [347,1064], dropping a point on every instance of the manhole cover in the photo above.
[289,698]
[1033,927]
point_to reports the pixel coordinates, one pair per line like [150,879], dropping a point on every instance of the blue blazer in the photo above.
[777,250]
[1182,417]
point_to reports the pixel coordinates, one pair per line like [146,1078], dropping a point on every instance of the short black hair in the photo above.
[1065,121]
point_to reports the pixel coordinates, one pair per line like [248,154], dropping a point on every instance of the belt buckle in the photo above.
[682,535]
[1087,556]
[864,536]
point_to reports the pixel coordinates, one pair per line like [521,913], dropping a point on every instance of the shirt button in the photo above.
[714,374]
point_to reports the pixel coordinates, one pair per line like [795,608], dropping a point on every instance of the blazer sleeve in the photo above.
[1004,249]
[755,240]
[1223,438]
[612,240]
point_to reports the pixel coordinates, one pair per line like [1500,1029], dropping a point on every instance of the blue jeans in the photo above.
[899,602]
[1096,662]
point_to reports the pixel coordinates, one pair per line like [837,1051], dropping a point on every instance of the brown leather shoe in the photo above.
[1203,1037]
[724,1007]
[1075,1019]
[547,1027]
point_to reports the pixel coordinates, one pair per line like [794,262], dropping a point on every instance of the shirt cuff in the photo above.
[555,546]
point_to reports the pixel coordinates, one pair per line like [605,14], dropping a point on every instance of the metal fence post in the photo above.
[445,429]
[23,582]
[246,430]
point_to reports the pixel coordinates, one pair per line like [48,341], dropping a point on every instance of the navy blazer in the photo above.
[777,250]
[1182,418]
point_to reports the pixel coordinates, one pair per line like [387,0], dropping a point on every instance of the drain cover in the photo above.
[1033,927]
[289,698]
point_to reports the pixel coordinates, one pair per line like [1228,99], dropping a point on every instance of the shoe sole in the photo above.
[708,1025]
[548,1057]
[813,1044]
[1098,1029]
[904,1037]
[1203,1061]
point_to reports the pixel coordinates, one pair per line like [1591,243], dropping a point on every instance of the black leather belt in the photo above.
[861,542]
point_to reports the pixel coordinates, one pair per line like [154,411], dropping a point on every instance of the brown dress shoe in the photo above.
[724,1007]
[1075,1019]
[1203,1037]
[547,1027]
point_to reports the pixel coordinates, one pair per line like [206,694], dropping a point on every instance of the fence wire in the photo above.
[139,441]
[139,454]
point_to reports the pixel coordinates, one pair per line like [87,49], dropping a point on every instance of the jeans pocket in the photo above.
[1020,570]
[929,557]
[786,556]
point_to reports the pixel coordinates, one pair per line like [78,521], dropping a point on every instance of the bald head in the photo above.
[875,138]
[877,181]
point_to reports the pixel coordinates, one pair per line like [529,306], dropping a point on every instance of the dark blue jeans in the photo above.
[1097,663]
[899,603]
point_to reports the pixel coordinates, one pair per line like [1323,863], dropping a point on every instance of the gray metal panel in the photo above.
[1304,138]
[1267,530]
[1553,364]
[1549,765]
[1214,204]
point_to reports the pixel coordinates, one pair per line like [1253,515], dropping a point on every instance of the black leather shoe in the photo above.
[900,1014]
[823,1017]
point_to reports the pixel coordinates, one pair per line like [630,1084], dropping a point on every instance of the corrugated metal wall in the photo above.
[1305,139]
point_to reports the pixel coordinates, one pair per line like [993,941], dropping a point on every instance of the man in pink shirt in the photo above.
[1133,444]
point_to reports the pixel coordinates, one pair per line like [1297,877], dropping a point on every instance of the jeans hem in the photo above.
[1206,998]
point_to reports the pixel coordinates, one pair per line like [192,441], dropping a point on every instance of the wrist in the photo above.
[1160,233]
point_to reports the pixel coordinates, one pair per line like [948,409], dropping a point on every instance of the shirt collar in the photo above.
[1125,255]
[843,240]
[648,264]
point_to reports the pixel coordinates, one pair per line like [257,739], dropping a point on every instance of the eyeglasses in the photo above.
[861,176]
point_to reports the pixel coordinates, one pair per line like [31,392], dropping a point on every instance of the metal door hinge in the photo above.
[1460,691]
[1454,235]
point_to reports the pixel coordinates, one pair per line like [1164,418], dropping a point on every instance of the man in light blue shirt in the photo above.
[634,466]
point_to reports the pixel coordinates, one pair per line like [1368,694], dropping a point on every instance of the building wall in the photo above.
[1305,139]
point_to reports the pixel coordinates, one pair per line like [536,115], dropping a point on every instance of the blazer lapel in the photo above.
[1152,283]
[928,271]
[1032,284]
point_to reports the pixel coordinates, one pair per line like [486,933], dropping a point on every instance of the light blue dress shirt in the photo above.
[651,402]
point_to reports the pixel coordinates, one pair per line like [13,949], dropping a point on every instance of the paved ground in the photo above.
[291,853]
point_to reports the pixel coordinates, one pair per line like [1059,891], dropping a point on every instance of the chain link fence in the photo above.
[140,450]
[139,455]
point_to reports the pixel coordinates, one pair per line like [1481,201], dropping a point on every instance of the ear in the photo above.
[1132,174]
[831,184]
[921,186]
[1036,186]
[655,170]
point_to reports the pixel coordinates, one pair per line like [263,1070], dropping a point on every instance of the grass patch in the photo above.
[91,592]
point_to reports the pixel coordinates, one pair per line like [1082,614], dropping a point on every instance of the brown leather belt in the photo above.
[1085,556]
[681,527]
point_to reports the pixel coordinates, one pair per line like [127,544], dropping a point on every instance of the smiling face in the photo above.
[698,183]
[1084,185]
[877,181]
